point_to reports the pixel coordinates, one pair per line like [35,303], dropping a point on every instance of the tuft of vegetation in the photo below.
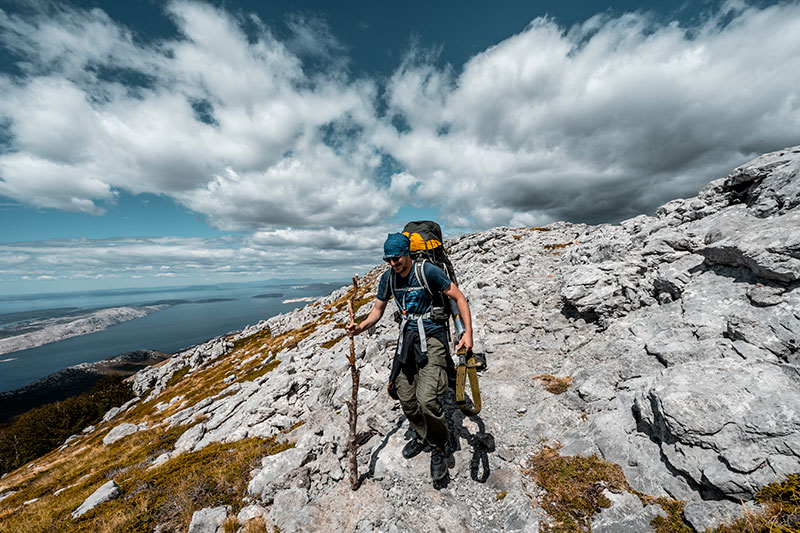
[331,343]
[539,229]
[553,384]
[231,525]
[45,428]
[254,525]
[574,488]
[781,513]
[574,492]
[501,495]
[260,371]
[178,375]
[673,522]
[560,246]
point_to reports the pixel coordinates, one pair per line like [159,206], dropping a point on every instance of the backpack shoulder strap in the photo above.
[419,269]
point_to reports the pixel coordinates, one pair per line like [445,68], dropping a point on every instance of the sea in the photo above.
[111,322]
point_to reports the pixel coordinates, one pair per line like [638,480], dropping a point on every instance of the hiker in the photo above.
[422,363]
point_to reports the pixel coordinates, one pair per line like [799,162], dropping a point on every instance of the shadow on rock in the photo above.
[481,442]
[373,460]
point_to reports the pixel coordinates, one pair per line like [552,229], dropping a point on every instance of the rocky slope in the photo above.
[680,333]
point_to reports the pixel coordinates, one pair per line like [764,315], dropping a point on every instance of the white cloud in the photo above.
[45,183]
[600,122]
[227,123]
[276,253]
[273,138]
[324,239]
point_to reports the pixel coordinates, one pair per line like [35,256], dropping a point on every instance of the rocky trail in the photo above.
[677,335]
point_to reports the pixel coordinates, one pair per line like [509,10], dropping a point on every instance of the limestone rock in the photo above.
[121,431]
[768,247]
[705,515]
[274,473]
[679,331]
[106,492]
[626,515]
[731,427]
[290,512]
[209,520]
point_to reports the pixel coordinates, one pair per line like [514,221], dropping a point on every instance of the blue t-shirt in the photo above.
[411,294]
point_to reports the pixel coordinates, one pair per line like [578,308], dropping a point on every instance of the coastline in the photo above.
[73,381]
[173,329]
[61,328]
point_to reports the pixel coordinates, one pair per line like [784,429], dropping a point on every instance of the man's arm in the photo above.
[463,307]
[372,318]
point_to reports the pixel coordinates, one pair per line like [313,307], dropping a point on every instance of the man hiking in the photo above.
[422,364]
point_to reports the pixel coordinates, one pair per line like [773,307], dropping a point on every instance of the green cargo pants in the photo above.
[419,396]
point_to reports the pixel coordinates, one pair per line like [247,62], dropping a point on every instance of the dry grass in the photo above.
[553,384]
[178,375]
[255,525]
[574,492]
[539,229]
[560,246]
[260,371]
[231,525]
[170,493]
[574,488]
[331,343]
[781,513]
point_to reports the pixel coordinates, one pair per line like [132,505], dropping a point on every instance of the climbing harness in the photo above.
[405,316]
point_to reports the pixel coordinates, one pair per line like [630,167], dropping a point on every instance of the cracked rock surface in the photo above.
[680,332]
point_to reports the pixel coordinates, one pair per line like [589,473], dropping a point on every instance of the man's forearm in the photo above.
[372,318]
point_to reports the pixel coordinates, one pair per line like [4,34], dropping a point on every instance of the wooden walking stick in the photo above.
[352,404]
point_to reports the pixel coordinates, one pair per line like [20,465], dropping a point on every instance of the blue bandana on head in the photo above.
[396,245]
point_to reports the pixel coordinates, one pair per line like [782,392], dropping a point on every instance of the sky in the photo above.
[147,143]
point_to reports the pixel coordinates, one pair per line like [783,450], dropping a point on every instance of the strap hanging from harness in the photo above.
[467,366]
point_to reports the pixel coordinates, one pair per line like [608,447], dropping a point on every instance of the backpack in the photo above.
[427,245]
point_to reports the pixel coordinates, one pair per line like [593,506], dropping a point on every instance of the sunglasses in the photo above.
[393,259]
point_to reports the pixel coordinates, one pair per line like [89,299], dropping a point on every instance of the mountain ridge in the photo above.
[679,333]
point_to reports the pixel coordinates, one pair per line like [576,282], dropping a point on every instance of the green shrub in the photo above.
[45,428]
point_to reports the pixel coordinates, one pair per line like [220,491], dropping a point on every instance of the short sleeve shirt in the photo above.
[411,295]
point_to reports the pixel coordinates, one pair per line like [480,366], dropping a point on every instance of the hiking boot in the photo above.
[438,464]
[413,448]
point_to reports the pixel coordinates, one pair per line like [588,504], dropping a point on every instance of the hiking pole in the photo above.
[352,404]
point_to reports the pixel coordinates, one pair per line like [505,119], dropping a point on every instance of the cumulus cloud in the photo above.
[274,138]
[272,254]
[601,121]
[223,118]
[367,239]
